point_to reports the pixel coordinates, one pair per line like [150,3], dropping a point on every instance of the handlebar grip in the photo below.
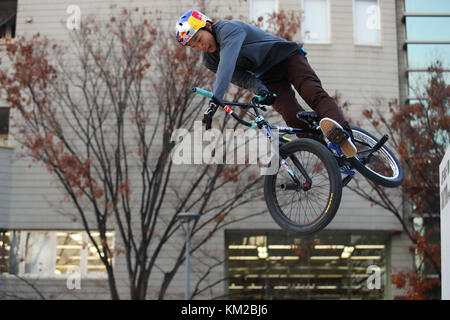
[203,92]
[261,98]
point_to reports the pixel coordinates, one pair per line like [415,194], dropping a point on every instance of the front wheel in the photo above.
[382,167]
[304,210]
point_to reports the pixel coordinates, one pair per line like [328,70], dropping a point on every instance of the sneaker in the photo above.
[338,137]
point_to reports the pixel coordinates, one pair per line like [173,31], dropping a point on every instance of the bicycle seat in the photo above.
[309,117]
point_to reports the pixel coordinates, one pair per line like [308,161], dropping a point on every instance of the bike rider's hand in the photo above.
[269,98]
[209,113]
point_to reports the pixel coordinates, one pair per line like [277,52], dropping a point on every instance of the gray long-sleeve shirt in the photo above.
[244,53]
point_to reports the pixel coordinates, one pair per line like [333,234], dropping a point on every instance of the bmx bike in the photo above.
[304,194]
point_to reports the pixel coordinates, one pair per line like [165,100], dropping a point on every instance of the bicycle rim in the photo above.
[383,166]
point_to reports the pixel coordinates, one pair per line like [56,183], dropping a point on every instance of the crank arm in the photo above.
[379,144]
[371,151]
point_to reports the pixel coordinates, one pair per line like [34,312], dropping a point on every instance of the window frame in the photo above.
[84,254]
[328,25]
[380,34]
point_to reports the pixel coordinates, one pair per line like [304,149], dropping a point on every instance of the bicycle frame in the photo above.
[261,123]
[332,164]
[255,107]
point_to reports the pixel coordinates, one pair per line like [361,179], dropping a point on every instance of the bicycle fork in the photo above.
[296,185]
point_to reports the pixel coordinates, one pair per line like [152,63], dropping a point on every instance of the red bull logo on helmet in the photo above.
[196,20]
[189,24]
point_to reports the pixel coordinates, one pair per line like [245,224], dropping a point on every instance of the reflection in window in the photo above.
[50,253]
[8,11]
[367,22]
[331,265]
[426,227]
[4,121]
[421,56]
[428,44]
[419,82]
[38,253]
[4,125]
[315,26]
[9,252]
[94,264]
[68,252]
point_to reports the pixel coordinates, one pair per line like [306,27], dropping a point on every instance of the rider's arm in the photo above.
[230,39]
[242,78]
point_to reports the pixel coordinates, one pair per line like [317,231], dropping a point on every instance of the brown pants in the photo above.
[296,71]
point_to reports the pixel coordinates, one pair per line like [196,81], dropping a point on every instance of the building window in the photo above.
[262,8]
[38,249]
[328,265]
[51,253]
[9,252]
[422,56]
[4,125]
[426,227]
[8,11]
[425,43]
[418,83]
[430,6]
[367,22]
[316,21]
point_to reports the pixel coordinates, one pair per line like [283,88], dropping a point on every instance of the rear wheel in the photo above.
[382,167]
[304,210]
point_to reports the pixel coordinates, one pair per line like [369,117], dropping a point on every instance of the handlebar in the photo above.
[210,95]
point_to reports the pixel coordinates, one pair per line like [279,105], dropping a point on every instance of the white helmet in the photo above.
[188,25]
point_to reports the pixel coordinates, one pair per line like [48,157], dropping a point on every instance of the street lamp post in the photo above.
[186,217]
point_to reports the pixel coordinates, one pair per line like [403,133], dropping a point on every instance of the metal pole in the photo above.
[188,264]
[185,218]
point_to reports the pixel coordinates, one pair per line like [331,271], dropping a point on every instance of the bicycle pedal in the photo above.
[338,137]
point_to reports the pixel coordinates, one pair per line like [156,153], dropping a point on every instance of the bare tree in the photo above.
[99,114]
[419,132]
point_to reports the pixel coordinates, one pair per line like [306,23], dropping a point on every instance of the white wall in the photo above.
[444,182]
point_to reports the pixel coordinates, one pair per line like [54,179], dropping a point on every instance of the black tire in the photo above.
[322,167]
[383,168]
